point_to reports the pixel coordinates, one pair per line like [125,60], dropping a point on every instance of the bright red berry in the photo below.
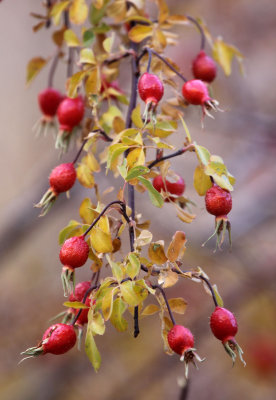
[180,339]
[70,113]
[204,67]
[218,201]
[62,178]
[223,324]
[49,100]
[195,92]
[58,339]
[74,252]
[150,88]
[175,185]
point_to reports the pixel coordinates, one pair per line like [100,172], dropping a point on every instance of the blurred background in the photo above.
[31,291]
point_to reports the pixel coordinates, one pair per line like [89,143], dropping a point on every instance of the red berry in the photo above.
[223,324]
[150,88]
[106,85]
[195,92]
[74,252]
[58,339]
[70,113]
[180,339]
[204,67]
[62,178]
[80,290]
[218,201]
[176,187]
[49,100]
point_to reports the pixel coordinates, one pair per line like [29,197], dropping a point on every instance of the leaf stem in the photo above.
[166,301]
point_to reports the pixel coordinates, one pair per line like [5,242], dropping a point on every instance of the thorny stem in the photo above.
[203,39]
[53,69]
[166,301]
[149,51]
[71,49]
[175,154]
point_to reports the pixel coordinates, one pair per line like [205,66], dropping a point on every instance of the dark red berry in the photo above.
[70,113]
[150,88]
[195,92]
[113,85]
[58,339]
[74,252]
[223,324]
[62,178]
[180,339]
[80,290]
[49,100]
[218,201]
[174,186]
[204,67]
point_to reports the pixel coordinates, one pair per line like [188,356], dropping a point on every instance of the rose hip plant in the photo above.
[130,135]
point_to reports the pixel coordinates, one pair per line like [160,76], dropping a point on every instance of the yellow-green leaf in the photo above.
[218,296]
[74,83]
[117,270]
[71,38]
[87,56]
[203,154]
[136,157]
[75,304]
[140,32]
[34,66]
[133,267]
[107,43]
[133,294]
[91,350]
[224,53]
[136,117]
[116,317]
[107,303]
[93,82]
[58,9]
[78,12]
[155,197]
[202,182]
[86,212]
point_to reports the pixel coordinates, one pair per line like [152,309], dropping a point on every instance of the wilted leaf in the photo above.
[150,310]
[140,32]
[101,241]
[170,278]
[144,238]
[58,36]
[202,182]
[177,246]
[155,197]
[116,317]
[34,66]
[92,351]
[78,12]
[177,19]
[163,11]
[178,305]
[117,10]
[156,253]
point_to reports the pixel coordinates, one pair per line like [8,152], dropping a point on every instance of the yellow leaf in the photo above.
[93,83]
[98,4]
[117,10]
[103,224]
[178,305]
[159,39]
[74,82]
[150,309]
[87,56]
[177,19]
[136,157]
[156,253]
[163,11]
[118,124]
[86,212]
[202,182]
[71,38]
[101,241]
[107,43]
[57,11]
[34,66]
[136,117]
[177,246]
[170,279]
[85,176]
[223,53]
[139,33]
[78,12]
[92,162]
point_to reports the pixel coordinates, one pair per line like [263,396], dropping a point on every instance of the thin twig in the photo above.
[80,150]
[53,69]
[71,49]
[87,293]
[175,154]
[199,27]
[166,301]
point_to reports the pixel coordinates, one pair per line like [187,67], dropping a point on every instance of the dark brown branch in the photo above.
[175,154]
[70,50]
[166,301]
[80,150]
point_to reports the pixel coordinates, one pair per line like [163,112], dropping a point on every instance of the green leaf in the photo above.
[114,151]
[116,317]
[91,350]
[96,14]
[155,197]
[136,171]
[88,37]
[75,304]
[132,293]
[123,169]
[117,270]
[74,228]
[133,267]
[203,154]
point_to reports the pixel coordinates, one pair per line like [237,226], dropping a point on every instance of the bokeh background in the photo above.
[31,291]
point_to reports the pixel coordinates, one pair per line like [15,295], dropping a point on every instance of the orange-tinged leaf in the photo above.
[170,279]
[98,4]
[177,19]
[140,32]
[177,246]
[150,309]
[156,253]
[78,12]
[58,37]
[101,241]
[178,305]
[34,66]
[118,124]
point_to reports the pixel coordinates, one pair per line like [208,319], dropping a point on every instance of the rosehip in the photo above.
[224,327]
[175,187]
[150,88]
[70,113]
[49,100]
[181,341]
[195,92]
[80,290]
[57,339]
[218,201]
[74,252]
[62,177]
[204,67]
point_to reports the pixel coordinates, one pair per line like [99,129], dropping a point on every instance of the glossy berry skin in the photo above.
[62,178]
[223,324]
[218,201]
[195,92]
[74,252]
[70,113]
[49,100]
[204,67]
[177,188]
[150,88]
[180,339]
[58,339]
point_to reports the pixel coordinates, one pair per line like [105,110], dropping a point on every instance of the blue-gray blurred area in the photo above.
[31,293]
